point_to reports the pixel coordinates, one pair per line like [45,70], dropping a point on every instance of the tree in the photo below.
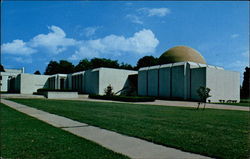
[52,68]
[245,89]
[2,68]
[126,66]
[102,62]
[203,93]
[83,65]
[37,72]
[66,67]
[62,67]
[147,61]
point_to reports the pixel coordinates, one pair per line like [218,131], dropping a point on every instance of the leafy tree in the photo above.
[102,62]
[84,64]
[2,68]
[109,90]
[245,89]
[37,72]
[66,67]
[147,61]
[203,93]
[62,67]
[126,66]
[52,68]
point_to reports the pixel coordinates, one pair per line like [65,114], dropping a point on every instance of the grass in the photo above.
[215,133]
[23,137]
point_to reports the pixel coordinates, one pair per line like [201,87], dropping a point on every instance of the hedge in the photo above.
[123,98]
[54,90]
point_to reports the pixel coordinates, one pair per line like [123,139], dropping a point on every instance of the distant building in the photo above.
[182,72]
[6,76]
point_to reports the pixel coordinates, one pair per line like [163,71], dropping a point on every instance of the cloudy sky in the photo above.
[33,33]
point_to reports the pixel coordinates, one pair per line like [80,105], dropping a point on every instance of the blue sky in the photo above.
[33,33]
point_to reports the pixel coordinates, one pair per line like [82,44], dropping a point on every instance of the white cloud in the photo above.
[55,41]
[141,42]
[134,19]
[233,36]
[90,31]
[17,47]
[160,12]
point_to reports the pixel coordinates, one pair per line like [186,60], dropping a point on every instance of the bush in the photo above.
[123,98]
[41,90]
[109,91]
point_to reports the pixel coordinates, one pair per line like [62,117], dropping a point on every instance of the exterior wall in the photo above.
[165,80]
[6,79]
[224,85]
[153,81]
[198,79]
[77,81]
[143,81]
[4,83]
[118,78]
[61,95]
[91,81]
[181,80]
[178,81]
[29,83]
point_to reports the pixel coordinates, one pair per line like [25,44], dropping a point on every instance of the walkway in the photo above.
[156,102]
[132,147]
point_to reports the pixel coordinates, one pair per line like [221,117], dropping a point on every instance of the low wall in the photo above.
[61,95]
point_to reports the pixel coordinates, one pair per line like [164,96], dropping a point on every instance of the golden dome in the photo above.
[181,54]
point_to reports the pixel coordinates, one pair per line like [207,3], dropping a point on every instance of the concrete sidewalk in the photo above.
[156,102]
[130,146]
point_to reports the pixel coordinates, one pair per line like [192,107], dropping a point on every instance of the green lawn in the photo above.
[215,133]
[23,137]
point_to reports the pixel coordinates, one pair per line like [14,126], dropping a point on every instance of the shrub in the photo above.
[109,91]
[41,90]
[123,98]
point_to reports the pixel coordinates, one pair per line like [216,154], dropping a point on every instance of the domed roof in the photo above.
[181,54]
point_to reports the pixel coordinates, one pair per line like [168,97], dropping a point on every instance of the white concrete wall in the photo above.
[30,83]
[91,82]
[143,81]
[116,77]
[165,80]
[198,79]
[153,81]
[178,81]
[61,95]
[224,85]
[4,83]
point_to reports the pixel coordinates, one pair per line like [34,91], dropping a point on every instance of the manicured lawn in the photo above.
[216,133]
[23,137]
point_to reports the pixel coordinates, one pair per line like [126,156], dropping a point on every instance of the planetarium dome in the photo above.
[181,54]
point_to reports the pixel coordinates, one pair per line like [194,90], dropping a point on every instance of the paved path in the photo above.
[156,102]
[194,105]
[132,147]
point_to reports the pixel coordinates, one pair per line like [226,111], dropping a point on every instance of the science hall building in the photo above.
[182,71]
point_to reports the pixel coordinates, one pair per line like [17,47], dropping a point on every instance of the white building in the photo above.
[6,76]
[182,72]
[186,71]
